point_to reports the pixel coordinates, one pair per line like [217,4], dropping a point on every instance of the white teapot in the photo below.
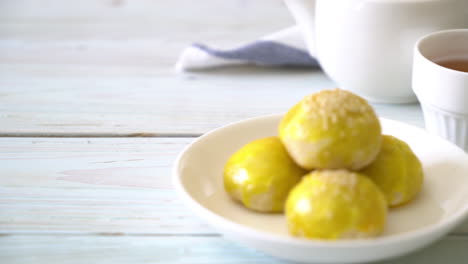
[366,46]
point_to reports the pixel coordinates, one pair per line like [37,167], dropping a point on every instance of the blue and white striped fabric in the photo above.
[283,48]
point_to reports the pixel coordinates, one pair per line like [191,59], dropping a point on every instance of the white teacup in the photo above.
[440,81]
[366,45]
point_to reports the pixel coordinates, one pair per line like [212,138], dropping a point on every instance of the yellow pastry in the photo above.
[331,129]
[261,174]
[397,171]
[336,204]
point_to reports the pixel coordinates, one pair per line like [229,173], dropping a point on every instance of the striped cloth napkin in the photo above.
[283,48]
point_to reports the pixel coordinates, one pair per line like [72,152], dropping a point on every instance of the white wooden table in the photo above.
[92,116]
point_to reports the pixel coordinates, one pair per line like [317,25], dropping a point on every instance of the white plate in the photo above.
[441,205]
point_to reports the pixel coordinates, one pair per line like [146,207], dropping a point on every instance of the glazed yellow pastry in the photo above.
[331,129]
[336,204]
[397,171]
[261,174]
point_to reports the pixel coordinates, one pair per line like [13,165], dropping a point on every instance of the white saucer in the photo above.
[442,204]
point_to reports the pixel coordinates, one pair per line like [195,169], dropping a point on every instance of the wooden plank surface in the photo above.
[92,186]
[105,68]
[159,105]
[95,186]
[22,249]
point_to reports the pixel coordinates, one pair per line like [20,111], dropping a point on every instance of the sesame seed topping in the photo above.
[335,106]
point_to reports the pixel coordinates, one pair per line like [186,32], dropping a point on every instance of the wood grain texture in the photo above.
[95,186]
[179,249]
[92,186]
[108,51]
[96,68]
[159,105]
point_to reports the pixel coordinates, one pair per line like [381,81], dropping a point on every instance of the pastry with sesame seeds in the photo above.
[397,171]
[331,129]
[336,204]
[261,174]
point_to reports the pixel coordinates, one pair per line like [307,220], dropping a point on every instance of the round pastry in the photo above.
[261,174]
[336,204]
[397,171]
[331,129]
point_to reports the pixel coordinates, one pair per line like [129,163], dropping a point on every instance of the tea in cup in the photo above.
[440,81]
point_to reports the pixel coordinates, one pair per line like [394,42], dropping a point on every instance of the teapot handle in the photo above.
[303,12]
